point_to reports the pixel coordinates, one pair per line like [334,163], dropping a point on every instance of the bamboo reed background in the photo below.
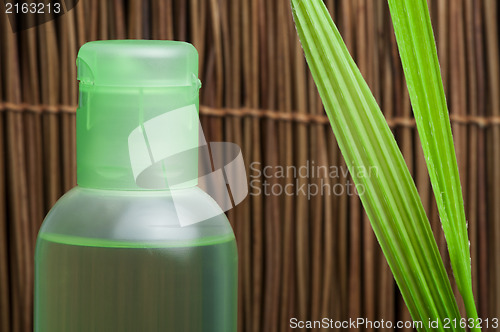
[298,258]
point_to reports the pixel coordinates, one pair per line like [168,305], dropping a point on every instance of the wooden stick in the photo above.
[355,217]
[5,315]
[482,239]
[493,189]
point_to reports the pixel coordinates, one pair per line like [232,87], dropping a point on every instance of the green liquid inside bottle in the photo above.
[89,288]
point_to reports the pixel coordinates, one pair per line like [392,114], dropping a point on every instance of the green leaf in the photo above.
[389,195]
[417,48]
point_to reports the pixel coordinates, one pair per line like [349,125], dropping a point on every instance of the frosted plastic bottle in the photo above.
[112,255]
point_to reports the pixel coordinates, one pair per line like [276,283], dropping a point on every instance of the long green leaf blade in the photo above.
[417,48]
[389,196]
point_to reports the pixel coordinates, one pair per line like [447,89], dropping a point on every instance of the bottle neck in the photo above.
[137,138]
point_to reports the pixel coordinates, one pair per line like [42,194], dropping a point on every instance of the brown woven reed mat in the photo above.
[480,121]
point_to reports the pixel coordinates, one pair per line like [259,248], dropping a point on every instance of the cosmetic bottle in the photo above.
[136,245]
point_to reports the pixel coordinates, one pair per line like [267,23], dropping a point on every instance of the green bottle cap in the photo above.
[137,118]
